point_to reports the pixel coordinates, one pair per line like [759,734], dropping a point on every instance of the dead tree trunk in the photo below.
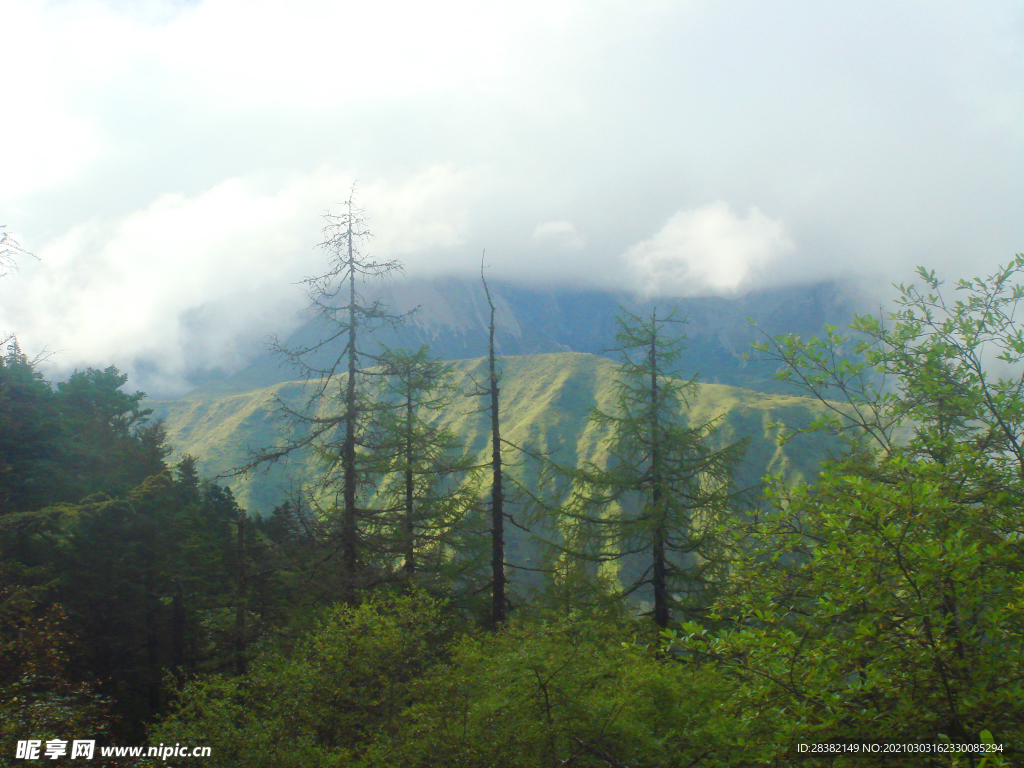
[499,602]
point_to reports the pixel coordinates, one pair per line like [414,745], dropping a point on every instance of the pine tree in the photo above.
[663,487]
[107,443]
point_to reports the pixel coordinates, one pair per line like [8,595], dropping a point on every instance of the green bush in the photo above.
[343,686]
[559,693]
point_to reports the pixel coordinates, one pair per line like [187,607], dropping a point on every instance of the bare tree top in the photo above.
[10,249]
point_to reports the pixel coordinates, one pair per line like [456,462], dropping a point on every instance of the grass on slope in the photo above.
[545,403]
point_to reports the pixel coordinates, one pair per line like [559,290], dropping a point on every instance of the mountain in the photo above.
[546,399]
[451,315]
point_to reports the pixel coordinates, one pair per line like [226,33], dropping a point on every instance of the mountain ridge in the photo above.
[546,400]
[452,319]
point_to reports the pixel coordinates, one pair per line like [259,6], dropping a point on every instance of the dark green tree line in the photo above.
[131,565]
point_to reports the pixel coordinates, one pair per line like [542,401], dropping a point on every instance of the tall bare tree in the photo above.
[499,581]
[336,416]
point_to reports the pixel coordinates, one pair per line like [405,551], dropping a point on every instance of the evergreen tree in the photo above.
[141,569]
[108,445]
[188,478]
[422,497]
[231,580]
[664,486]
[30,432]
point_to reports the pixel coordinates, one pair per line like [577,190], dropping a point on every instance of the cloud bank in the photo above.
[169,161]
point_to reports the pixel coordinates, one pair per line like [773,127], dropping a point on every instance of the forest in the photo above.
[670,612]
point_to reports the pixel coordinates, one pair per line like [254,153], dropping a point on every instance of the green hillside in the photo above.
[546,399]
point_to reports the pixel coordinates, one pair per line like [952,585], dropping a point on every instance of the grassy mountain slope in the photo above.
[546,399]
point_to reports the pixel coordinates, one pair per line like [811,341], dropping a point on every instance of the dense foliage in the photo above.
[116,571]
[882,601]
[886,597]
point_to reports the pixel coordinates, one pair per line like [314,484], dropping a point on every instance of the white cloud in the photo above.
[319,54]
[44,138]
[559,234]
[707,249]
[195,281]
[413,217]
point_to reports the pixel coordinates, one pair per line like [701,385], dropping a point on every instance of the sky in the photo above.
[168,162]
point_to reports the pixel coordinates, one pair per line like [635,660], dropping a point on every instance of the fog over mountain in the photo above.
[451,315]
[168,161]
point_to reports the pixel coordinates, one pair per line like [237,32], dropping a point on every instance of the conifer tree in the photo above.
[30,431]
[108,444]
[422,494]
[663,487]
[241,593]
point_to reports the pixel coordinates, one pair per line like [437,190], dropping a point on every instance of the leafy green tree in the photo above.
[663,489]
[386,684]
[885,600]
